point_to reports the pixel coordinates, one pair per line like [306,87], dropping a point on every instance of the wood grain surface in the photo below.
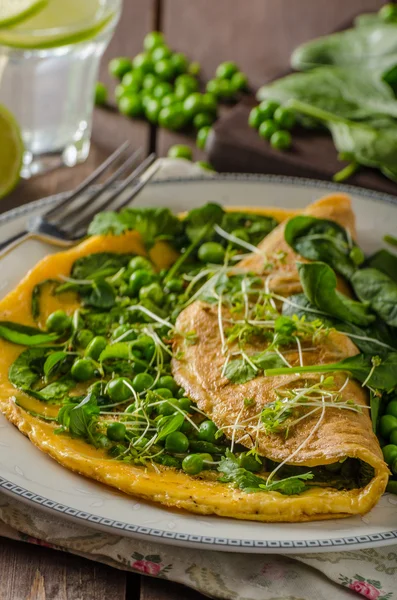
[259,35]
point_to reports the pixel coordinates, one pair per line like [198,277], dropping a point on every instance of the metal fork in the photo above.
[67,221]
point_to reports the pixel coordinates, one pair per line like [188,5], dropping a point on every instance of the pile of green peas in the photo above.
[388,431]
[273,123]
[162,86]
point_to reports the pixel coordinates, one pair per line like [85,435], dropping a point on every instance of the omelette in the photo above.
[226,439]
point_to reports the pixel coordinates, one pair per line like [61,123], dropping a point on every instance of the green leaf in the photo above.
[239,371]
[379,291]
[319,285]
[120,350]
[199,222]
[24,335]
[99,264]
[169,425]
[290,485]
[57,390]
[257,227]
[98,295]
[267,360]
[79,419]
[27,369]
[384,261]
[53,362]
[321,240]
[151,223]
[36,295]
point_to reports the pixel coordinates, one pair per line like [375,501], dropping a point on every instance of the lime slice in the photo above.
[11,152]
[14,11]
[59,23]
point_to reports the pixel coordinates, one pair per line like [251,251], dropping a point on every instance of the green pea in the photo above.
[249,462]
[391,408]
[101,93]
[125,331]
[179,62]
[152,292]
[386,425]
[152,40]
[143,63]
[284,118]
[119,389]
[393,466]
[161,89]
[83,337]
[393,437]
[180,151]
[193,104]
[139,279]
[168,100]
[176,442]
[167,382]
[164,69]
[150,81]
[202,136]
[172,117]
[187,80]
[226,70]
[267,128]
[255,118]
[180,393]
[164,392]
[146,344]
[96,346]
[174,285]
[388,12]
[281,140]
[357,255]
[194,68]
[389,453]
[142,382]
[241,234]
[83,369]
[119,92]
[118,67]
[160,53]
[209,103]
[58,322]
[193,464]
[207,431]
[165,409]
[211,252]
[131,105]
[152,110]
[202,119]
[240,82]
[116,431]
[140,262]
[184,404]
[182,92]
[132,81]
[203,164]
[130,408]
[267,108]
[186,427]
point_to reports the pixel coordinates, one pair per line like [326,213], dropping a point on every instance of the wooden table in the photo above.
[259,35]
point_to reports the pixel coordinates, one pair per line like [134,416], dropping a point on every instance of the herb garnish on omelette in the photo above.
[223,362]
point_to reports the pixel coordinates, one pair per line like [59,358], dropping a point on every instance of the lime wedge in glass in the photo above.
[11,152]
[58,23]
[14,11]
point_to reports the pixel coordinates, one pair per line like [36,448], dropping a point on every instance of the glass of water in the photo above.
[48,69]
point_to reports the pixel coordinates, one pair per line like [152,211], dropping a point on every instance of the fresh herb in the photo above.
[384,261]
[169,425]
[379,291]
[80,420]
[53,362]
[99,265]
[319,285]
[240,371]
[24,335]
[98,295]
[37,292]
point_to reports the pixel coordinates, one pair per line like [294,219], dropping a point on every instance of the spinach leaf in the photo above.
[98,295]
[378,372]
[36,295]
[384,261]
[199,222]
[80,420]
[27,369]
[24,335]
[99,264]
[391,239]
[250,483]
[319,285]
[151,223]
[53,362]
[57,390]
[323,240]
[379,291]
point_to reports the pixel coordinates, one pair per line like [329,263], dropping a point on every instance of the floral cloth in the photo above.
[370,574]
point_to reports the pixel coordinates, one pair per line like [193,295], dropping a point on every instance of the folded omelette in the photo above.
[325,435]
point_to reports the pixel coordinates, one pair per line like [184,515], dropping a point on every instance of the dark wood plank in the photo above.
[259,35]
[35,573]
[160,589]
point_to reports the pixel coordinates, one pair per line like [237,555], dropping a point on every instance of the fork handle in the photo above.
[8,244]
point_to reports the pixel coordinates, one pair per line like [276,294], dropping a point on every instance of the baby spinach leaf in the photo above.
[323,240]
[24,335]
[152,223]
[27,369]
[36,295]
[53,362]
[199,222]
[379,291]
[319,285]
[98,295]
[99,264]
[378,372]
[79,420]
[57,390]
[384,261]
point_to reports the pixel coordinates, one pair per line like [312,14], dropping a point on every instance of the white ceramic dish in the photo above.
[31,476]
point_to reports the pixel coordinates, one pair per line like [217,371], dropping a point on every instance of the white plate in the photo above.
[33,477]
